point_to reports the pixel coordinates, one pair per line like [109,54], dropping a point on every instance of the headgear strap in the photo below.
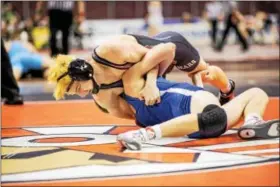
[80,70]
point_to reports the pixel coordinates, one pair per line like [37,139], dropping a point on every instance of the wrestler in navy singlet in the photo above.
[175,102]
[186,56]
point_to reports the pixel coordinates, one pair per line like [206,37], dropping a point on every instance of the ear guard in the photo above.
[80,70]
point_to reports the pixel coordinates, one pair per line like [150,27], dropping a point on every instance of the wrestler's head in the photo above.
[72,76]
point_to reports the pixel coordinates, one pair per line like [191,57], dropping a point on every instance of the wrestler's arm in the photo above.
[150,93]
[162,55]
[152,77]
[157,55]
[125,49]
[133,78]
[157,59]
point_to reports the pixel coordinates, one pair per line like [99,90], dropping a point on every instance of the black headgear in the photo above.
[80,70]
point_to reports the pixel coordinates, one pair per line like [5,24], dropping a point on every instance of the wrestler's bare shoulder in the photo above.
[121,49]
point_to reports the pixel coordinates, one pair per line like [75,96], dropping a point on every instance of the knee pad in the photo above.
[212,121]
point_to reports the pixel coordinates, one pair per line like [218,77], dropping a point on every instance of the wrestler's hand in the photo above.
[150,93]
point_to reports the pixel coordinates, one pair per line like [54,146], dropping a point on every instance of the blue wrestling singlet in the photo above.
[21,58]
[175,102]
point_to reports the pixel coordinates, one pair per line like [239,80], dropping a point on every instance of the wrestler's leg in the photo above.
[177,127]
[183,125]
[211,123]
[188,59]
[216,77]
[251,104]
[213,75]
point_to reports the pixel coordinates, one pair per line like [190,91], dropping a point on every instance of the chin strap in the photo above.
[96,87]
[81,71]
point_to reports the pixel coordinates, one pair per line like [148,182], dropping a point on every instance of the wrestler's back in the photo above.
[186,56]
[121,49]
[175,101]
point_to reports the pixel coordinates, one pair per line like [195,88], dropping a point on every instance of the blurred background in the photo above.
[240,37]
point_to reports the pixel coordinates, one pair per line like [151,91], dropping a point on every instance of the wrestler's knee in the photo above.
[188,66]
[257,91]
[192,63]
[212,121]
[202,65]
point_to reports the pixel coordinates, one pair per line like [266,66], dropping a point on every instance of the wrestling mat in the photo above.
[72,143]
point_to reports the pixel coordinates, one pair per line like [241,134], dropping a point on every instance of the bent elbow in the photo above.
[170,50]
[170,46]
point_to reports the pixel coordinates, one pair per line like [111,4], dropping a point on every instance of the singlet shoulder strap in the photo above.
[100,107]
[105,62]
[117,84]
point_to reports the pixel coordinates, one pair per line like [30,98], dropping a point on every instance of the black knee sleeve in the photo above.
[212,121]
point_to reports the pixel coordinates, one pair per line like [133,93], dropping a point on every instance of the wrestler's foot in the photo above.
[260,129]
[133,139]
[226,97]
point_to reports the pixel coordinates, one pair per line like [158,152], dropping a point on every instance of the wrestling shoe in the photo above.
[15,100]
[260,129]
[133,140]
[225,98]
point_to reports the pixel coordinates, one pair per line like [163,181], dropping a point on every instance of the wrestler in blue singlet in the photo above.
[175,102]
[21,58]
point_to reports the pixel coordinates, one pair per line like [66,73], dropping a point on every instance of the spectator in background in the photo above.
[268,23]
[9,87]
[155,17]
[11,21]
[214,14]
[8,13]
[24,58]
[149,29]
[233,19]
[28,27]
[61,18]
[78,32]
[260,25]
[146,22]
[3,29]
[188,18]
